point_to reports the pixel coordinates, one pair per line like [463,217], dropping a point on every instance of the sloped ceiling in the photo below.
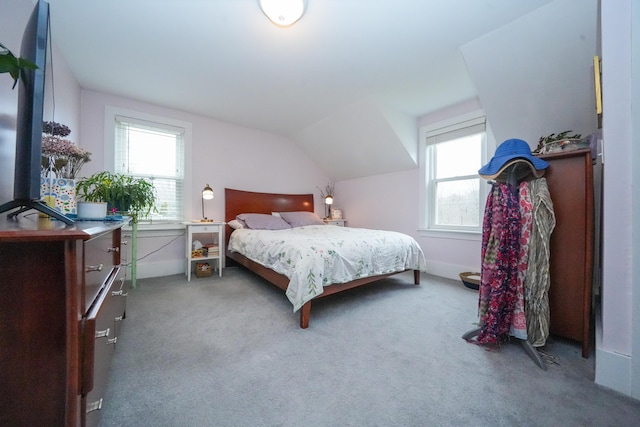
[535,80]
[347,82]
[360,139]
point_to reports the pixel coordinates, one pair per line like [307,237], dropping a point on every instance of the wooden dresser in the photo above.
[570,181]
[62,298]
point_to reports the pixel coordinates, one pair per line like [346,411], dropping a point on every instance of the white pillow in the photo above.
[235,224]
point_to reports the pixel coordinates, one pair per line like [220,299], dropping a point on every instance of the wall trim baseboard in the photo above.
[613,370]
[448,271]
[157,269]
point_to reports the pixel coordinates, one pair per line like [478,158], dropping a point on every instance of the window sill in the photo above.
[451,234]
[157,226]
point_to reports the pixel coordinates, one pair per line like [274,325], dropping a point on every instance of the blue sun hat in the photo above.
[509,152]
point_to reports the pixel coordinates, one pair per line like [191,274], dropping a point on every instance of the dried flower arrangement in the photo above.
[553,142]
[329,190]
[59,154]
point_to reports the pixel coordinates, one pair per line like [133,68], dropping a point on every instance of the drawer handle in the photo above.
[116,249]
[102,334]
[118,319]
[94,268]
[112,340]
[119,293]
[94,406]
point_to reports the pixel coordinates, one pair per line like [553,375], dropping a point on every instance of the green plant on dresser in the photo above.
[135,197]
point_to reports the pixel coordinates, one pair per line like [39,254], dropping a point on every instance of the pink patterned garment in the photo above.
[498,294]
[519,322]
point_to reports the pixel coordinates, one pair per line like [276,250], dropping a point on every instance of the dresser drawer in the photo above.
[99,341]
[101,253]
[118,296]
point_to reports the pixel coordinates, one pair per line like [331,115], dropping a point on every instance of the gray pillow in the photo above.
[262,221]
[298,219]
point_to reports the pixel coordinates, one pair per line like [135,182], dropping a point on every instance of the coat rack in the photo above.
[512,175]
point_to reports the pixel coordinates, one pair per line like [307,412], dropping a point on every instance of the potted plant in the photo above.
[9,63]
[135,197]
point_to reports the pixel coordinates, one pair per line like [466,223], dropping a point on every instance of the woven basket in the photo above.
[203,270]
[470,280]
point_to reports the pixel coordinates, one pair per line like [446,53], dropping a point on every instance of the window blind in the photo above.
[459,130]
[153,151]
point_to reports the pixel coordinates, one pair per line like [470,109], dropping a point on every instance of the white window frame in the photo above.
[109,149]
[427,196]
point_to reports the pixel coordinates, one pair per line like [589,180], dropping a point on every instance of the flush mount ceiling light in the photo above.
[283,13]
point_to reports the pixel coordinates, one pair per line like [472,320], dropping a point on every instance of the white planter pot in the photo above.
[92,210]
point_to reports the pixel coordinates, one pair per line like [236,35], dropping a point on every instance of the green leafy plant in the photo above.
[9,63]
[124,194]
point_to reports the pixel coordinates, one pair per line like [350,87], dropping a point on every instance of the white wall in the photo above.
[10,36]
[618,344]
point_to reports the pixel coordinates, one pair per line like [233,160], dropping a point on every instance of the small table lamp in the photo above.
[207,194]
[328,201]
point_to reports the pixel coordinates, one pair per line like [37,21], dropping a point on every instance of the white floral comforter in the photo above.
[314,256]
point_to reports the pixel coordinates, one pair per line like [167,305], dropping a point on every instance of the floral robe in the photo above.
[505,236]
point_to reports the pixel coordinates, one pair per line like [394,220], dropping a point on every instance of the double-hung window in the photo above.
[154,151]
[453,188]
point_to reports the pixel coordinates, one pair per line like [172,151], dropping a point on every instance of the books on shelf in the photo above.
[211,249]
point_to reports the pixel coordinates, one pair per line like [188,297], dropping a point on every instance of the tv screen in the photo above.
[30,106]
[31,93]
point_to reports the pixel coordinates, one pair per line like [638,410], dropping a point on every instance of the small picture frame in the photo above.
[336,213]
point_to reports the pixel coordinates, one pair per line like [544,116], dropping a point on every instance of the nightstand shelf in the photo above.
[338,222]
[209,233]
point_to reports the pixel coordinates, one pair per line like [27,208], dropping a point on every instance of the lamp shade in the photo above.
[328,200]
[207,193]
[283,12]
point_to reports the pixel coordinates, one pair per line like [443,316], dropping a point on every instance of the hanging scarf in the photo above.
[537,275]
[519,321]
[500,253]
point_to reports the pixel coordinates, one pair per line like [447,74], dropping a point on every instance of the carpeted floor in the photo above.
[228,352]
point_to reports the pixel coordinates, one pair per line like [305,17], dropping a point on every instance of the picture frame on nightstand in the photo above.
[336,213]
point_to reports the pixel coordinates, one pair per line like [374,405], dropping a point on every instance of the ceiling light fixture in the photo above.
[283,13]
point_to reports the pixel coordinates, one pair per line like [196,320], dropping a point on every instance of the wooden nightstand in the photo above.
[209,233]
[338,222]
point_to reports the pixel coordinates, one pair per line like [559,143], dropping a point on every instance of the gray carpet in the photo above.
[228,352]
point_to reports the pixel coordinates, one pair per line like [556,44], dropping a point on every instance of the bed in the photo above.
[239,202]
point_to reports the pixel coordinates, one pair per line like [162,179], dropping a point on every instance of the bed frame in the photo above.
[237,202]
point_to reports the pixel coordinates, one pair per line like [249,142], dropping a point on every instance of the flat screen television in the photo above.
[31,95]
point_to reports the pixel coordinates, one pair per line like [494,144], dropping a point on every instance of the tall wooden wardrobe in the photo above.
[570,180]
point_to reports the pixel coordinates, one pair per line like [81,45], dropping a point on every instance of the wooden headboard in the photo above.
[237,202]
